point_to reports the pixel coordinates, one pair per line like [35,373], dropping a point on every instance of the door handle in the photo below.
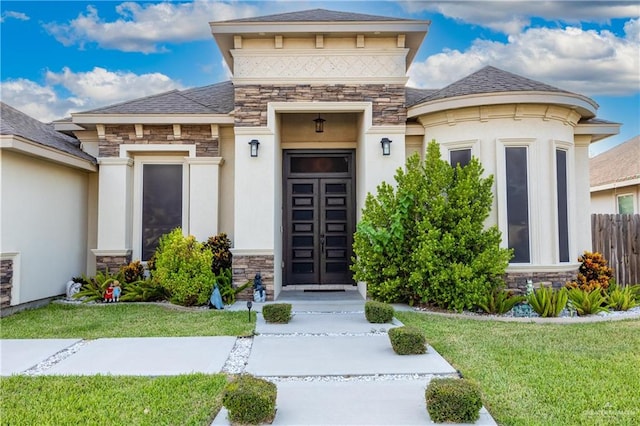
[322,244]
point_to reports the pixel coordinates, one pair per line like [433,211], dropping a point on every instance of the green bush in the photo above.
[622,298]
[587,302]
[499,301]
[143,291]
[183,268]
[453,401]
[378,312]
[407,341]
[279,313]
[250,400]
[424,240]
[548,302]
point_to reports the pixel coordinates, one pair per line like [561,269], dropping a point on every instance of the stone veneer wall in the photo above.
[388,100]
[245,269]
[518,280]
[113,263]
[198,135]
[6,282]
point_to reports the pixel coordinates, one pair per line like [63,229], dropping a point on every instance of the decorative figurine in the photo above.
[73,288]
[108,294]
[117,290]
[216,299]
[259,293]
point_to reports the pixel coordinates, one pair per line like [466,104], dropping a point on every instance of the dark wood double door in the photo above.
[319,217]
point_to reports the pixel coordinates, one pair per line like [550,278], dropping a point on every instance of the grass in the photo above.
[544,374]
[122,320]
[102,400]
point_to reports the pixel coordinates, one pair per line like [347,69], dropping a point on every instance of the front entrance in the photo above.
[319,217]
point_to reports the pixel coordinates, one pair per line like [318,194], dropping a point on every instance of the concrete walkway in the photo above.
[330,365]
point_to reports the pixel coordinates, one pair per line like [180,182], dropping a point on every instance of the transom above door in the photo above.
[319,217]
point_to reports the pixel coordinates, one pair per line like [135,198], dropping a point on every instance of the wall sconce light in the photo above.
[254,147]
[386,146]
[319,124]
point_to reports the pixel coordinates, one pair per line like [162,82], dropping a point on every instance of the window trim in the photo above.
[571,200]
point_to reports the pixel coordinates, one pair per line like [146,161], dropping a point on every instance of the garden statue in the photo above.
[73,288]
[108,294]
[216,298]
[259,293]
[117,290]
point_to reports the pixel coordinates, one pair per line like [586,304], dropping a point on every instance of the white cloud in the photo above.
[15,15]
[145,28]
[85,91]
[511,17]
[587,62]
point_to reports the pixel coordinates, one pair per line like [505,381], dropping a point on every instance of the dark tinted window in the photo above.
[460,156]
[517,203]
[563,217]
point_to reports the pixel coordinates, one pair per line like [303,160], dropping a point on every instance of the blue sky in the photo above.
[63,56]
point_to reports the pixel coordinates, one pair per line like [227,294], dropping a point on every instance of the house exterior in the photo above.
[46,183]
[615,179]
[315,116]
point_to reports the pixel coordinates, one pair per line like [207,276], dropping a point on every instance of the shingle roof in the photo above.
[413,95]
[318,15]
[490,80]
[618,164]
[17,123]
[213,99]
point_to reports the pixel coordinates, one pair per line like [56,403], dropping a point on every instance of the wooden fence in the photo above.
[617,237]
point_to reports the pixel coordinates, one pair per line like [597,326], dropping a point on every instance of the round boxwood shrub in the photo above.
[378,312]
[277,313]
[453,401]
[250,400]
[407,340]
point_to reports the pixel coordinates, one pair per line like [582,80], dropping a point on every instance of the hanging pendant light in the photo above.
[319,124]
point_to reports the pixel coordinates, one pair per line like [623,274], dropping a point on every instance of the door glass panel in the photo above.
[303,215]
[319,165]
[335,201]
[303,241]
[303,188]
[303,227]
[303,201]
[336,215]
[336,254]
[303,267]
[335,227]
[337,267]
[161,203]
[336,241]
[335,188]
[302,254]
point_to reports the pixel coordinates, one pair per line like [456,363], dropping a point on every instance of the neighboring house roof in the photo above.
[213,99]
[317,15]
[490,80]
[619,165]
[16,123]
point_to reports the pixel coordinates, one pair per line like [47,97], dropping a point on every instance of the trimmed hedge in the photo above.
[279,313]
[407,340]
[378,312]
[250,400]
[453,401]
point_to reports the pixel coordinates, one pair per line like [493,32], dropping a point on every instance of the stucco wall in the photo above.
[44,219]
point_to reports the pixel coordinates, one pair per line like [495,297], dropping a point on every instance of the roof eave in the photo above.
[585,106]
[598,131]
[34,149]
[617,184]
[88,119]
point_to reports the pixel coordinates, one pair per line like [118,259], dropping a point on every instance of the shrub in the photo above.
[220,246]
[134,271]
[453,401]
[621,298]
[593,272]
[407,340]
[183,268]
[279,313]
[548,302]
[378,312]
[144,291]
[250,400]
[424,239]
[499,301]
[587,302]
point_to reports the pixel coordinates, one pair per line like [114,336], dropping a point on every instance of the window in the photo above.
[460,156]
[563,217]
[517,203]
[161,203]
[625,204]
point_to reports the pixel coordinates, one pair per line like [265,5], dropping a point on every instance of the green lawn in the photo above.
[104,400]
[123,320]
[544,374]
